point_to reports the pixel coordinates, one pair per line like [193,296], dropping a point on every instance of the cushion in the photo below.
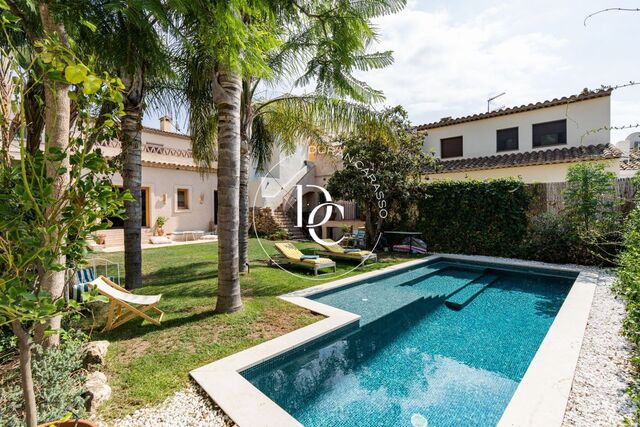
[159,240]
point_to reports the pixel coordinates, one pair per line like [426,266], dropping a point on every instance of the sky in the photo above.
[451,56]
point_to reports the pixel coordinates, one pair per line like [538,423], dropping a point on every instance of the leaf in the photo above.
[92,84]
[89,25]
[75,74]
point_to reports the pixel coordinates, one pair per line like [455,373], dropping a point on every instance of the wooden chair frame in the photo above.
[120,312]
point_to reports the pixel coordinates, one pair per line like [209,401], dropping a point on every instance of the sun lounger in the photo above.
[334,250]
[125,306]
[292,255]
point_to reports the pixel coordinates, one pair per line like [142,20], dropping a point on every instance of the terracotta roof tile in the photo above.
[584,96]
[633,162]
[529,158]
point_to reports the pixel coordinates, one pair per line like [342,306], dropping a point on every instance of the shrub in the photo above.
[475,217]
[262,222]
[594,209]
[280,234]
[552,238]
[628,286]
[59,383]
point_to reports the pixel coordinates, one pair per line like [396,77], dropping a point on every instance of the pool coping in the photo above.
[540,398]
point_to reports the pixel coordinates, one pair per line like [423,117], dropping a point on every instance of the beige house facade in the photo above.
[172,187]
[536,142]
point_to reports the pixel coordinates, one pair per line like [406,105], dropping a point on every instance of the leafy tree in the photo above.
[593,208]
[327,39]
[381,171]
[53,200]
[126,38]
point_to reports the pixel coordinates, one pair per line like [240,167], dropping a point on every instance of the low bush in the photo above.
[628,285]
[262,222]
[552,238]
[59,383]
[280,234]
[475,217]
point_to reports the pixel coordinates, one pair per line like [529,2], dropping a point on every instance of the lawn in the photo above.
[147,363]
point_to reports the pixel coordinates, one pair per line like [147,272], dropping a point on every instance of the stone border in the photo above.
[540,398]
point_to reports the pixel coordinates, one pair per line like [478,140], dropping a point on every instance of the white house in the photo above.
[536,142]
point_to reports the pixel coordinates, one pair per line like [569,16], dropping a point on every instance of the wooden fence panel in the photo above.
[547,197]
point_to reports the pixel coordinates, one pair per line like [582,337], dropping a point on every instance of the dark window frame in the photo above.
[185,199]
[505,132]
[443,141]
[538,135]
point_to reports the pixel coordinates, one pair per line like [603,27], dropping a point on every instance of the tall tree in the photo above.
[329,42]
[39,26]
[128,41]
[217,58]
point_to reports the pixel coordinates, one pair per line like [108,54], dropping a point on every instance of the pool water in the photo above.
[414,357]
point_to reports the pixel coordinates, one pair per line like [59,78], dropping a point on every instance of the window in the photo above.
[451,147]
[507,139]
[183,199]
[550,133]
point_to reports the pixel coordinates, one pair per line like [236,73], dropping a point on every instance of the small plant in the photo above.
[59,383]
[346,229]
[160,222]
[101,238]
[280,234]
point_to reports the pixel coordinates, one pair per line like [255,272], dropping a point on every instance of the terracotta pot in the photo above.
[70,423]
[160,231]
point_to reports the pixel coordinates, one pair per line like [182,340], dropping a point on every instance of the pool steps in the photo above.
[466,294]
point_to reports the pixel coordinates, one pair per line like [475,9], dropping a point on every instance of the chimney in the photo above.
[165,124]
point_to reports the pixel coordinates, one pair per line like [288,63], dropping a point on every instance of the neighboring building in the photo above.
[537,142]
[172,185]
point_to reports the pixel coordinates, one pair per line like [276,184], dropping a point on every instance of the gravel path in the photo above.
[597,396]
[187,408]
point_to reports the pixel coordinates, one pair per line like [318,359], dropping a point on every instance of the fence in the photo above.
[547,197]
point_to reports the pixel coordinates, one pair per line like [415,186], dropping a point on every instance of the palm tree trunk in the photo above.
[243,229]
[227,93]
[131,141]
[56,119]
[28,394]
[246,120]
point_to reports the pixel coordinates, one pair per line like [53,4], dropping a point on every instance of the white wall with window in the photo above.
[574,124]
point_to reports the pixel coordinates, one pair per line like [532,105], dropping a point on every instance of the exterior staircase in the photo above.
[287,223]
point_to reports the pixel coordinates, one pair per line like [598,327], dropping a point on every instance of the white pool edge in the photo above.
[541,396]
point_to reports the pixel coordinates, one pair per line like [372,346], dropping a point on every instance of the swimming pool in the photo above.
[444,342]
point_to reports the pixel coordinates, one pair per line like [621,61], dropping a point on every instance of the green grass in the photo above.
[147,363]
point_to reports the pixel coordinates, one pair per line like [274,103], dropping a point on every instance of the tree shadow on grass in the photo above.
[136,328]
[181,274]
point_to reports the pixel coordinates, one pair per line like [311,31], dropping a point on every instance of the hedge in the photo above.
[629,286]
[475,217]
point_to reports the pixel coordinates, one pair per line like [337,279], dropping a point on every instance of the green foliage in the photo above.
[475,217]
[553,238]
[381,170]
[262,223]
[628,285]
[58,379]
[594,210]
[590,194]
[280,234]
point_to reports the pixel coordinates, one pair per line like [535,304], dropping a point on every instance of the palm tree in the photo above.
[128,41]
[328,40]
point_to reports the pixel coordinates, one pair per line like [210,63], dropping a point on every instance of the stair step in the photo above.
[467,294]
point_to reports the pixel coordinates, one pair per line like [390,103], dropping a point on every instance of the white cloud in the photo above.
[448,66]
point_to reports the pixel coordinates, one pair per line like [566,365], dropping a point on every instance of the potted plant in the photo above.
[101,238]
[160,222]
[346,229]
